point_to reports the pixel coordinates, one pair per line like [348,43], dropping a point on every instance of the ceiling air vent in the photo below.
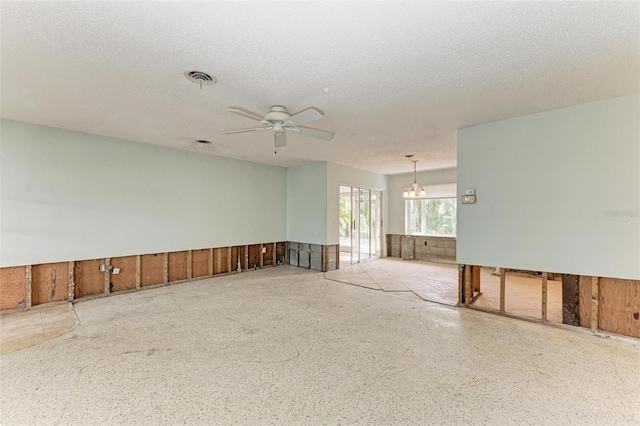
[201,78]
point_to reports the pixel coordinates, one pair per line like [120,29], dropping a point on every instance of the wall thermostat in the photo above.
[468,199]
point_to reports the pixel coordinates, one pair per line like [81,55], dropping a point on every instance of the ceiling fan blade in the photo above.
[245,113]
[306,116]
[280,139]
[252,129]
[325,135]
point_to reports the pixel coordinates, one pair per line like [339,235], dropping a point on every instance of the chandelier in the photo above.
[415,190]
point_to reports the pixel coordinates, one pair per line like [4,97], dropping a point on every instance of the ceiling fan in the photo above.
[279,120]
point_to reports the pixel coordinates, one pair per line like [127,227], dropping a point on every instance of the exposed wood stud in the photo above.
[189,264]
[400,246]
[467,285]
[138,271]
[503,284]
[165,268]
[595,284]
[210,261]
[337,256]
[246,258]
[460,269]
[107,276]
[274,255]
[27,281]
[229,260]
[72,284]
[544,296]
[262,255]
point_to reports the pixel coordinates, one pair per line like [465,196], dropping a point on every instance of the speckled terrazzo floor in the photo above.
[284,345]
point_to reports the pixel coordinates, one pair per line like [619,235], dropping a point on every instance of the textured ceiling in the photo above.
[393,78]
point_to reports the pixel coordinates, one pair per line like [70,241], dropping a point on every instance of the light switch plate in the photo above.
[469,192]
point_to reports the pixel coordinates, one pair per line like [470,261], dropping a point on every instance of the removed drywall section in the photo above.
[307,203]
[70,195]
[342,175]
[556,191]
[436,183]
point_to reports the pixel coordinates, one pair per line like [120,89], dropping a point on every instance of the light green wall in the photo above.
[69,196]
[307,203]
[545,183]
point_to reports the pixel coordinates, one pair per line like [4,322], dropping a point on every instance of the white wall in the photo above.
[70,196]
[307,203]
[342,175]
[545,183]
[437,183]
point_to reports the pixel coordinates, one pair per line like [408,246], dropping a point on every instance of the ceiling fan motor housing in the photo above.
[277,114]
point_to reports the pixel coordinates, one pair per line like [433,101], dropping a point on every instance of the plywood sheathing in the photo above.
[126,278]
[151,269]
[619,306]
[200,263]
[13,287]
[49,283]
[178,266]
[269,257]
[254,255]
[221,258]
[89,280]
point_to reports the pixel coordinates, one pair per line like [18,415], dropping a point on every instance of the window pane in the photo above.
[435,216]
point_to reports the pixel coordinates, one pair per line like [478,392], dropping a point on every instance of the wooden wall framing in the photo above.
[22,287]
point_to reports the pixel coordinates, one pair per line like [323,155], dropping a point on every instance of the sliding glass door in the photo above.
[360,224]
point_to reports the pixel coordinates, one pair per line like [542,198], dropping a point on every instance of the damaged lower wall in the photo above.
[415,247]
[22,287]
[318,257]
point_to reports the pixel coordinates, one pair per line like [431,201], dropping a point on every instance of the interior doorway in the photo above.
[360,224]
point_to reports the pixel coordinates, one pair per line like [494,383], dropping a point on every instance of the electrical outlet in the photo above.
[469,192]
[264,249]
[103,267]
[115,271]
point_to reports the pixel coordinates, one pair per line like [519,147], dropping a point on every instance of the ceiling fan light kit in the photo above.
[415,190]
[278,120]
